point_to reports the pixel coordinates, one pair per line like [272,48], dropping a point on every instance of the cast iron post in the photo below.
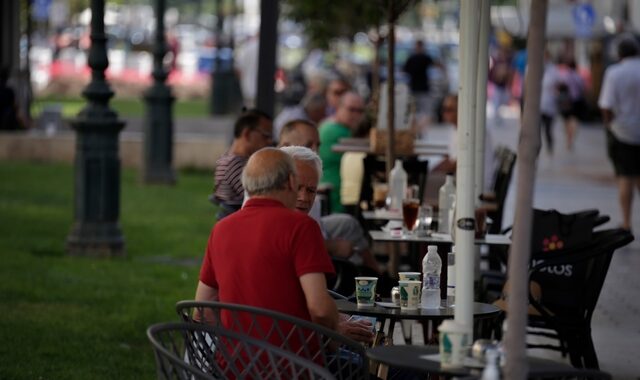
[96,229]
[158,124]
[226,96]
[265,99]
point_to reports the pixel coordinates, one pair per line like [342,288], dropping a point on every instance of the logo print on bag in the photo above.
[552,243]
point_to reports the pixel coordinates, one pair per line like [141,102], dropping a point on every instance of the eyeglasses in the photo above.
[265,135]
[356,109]
[339,91]
[449,109]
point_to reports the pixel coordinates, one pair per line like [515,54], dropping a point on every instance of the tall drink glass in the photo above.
[410,209]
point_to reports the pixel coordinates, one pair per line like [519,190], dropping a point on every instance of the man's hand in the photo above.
[360,331]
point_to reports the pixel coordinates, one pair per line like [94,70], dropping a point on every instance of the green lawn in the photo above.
[67,317]
[125,107]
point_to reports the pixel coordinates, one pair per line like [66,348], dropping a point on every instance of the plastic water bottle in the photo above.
[491,370]
[431,268]
[445,204]
[398,186]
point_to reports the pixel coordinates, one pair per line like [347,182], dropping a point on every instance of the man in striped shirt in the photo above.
[252,132]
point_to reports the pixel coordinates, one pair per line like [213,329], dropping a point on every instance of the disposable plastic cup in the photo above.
[409,276]
[409,294]
[453,344]
[366,290]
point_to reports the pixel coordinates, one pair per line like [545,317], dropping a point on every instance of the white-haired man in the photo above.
[343,233]
[309,169]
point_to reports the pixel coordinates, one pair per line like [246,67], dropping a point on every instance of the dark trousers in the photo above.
[547,125]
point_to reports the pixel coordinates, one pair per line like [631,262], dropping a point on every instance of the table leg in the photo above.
[430,332]
[407,330]
[394,260]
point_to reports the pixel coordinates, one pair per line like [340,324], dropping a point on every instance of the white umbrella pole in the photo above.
[528,148]
[481,95]
[464,223]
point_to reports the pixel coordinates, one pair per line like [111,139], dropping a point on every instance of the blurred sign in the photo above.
[41,9]
[584,17]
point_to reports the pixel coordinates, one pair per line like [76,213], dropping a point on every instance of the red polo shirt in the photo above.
[256,256]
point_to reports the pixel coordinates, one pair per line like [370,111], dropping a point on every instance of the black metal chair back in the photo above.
[571,281]
[188,351]
[501,181]
[343,357]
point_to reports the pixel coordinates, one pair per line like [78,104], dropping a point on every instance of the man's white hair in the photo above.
[304,154]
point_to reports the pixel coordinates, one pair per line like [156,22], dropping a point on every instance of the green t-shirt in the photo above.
[330,133]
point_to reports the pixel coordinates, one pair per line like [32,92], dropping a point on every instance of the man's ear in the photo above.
[293,182]
[245,133]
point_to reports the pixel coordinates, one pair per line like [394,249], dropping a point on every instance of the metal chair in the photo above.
[567,303]
[345,358]
[492,281]
[188,351]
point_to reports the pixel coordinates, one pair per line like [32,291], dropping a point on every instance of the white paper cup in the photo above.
[409,276]
[453,344]
[366,290]
[409,294]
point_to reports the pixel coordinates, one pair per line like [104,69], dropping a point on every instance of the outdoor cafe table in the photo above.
[425,359]
[361,145]
[388,314]
[443,241]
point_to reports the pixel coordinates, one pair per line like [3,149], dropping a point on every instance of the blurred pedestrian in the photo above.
[417,67]
[548,100]
[620,105]
[570,98]
[500,75]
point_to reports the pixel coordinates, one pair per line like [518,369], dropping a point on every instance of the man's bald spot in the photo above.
[265,160]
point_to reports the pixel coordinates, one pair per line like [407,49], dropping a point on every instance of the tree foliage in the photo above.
[324,23]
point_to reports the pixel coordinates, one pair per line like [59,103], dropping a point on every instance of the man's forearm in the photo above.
[205,292]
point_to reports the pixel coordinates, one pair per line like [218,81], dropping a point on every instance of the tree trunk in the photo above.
[391,84]
[528,149]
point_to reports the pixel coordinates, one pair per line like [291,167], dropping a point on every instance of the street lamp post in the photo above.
[226,95]
[158,126]
[265,99]
[96,229]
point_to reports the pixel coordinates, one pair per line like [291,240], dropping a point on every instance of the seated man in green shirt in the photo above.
[348,116]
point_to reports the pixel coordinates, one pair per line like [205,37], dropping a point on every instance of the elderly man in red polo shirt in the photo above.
[267,254]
